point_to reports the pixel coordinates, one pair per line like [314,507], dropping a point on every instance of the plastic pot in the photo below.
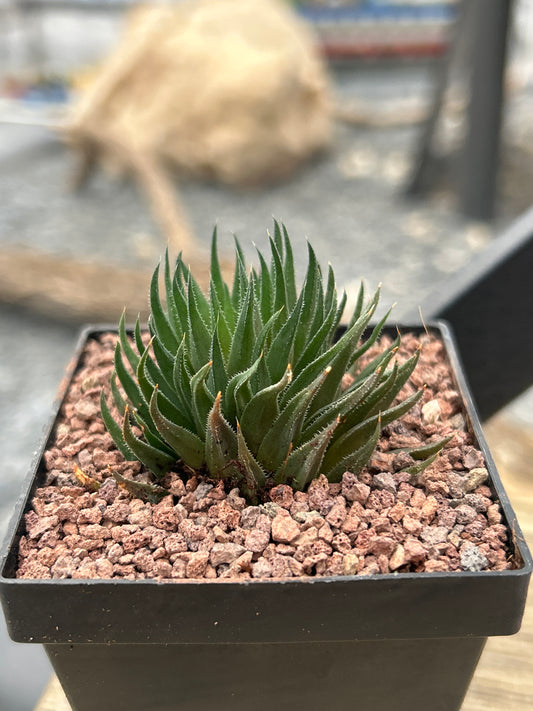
[397,642]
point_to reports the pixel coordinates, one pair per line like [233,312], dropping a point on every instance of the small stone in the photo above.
[280,567]
[478,503]
[472,558]
[203,488]
[308,518]
[351,564]
[92,515]
[436,566]
[431,412]
[353,489]
[385,482]
[167,518]
[256,541]
[249,516]
[103,568]
[225,553]
[337,513]
[270,509]
[397,558]
[284,527]
[414,551]
[163,569]
[86,409]
[38,526]
[447,517]
[493,514]
[473,458]
[108,491]
[306,538]
[282,495]
[379,545]
[115,553]
[401,461]
[465,514]
[433,535]
[261,569]
[196,565]
[411,525]
[143,560]
[429,509]
[475,478]
[64,566]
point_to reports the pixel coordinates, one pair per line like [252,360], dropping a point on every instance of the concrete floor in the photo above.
[348,203]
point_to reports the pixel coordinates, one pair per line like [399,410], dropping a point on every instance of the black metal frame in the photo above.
[481,32]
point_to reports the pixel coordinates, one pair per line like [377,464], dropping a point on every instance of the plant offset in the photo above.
[248,384]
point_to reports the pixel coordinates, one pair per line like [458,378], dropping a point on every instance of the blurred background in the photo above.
[124,128]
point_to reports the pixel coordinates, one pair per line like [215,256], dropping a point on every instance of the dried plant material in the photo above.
[229,90]
[140,490]
[88,482]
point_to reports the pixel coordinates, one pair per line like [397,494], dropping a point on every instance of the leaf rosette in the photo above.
[245,383]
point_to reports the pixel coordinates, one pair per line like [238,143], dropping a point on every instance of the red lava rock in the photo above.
[398,558]
[225,553]
[250,516]
[493,514]
[166,518]
[414,551]
[64,566]
[436,566]
[432,535]
[307,537]
[36,526]
[381,545]
[353,489]
[284,527]
[337,513]
[465,514]
[282,495]
[429,509]
[162,569]
[196,565]
[225,514]
[373,523]
[385,481]
[256,541]
[92,515]
[397,512]
[472,458]
[262,569]
[412,525]
[118,512]
[318,495]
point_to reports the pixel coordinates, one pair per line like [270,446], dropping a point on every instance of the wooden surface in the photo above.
[504,678]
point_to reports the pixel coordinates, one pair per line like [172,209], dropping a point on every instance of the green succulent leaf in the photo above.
[221,446]
[187,445]
[262,410]
[303,464]
[156,460]
[247,383]
[115,430]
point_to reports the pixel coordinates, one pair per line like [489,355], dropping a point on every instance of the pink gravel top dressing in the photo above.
[377,522]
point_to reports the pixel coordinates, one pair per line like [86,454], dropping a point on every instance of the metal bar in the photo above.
[479,159]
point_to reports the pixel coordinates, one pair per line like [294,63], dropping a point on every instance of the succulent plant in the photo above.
[247,383]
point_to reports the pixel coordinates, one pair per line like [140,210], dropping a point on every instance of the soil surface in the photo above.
[380,521]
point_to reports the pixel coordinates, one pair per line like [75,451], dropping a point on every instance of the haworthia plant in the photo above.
[245,383]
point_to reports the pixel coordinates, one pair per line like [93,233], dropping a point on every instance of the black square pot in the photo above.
[396,642]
